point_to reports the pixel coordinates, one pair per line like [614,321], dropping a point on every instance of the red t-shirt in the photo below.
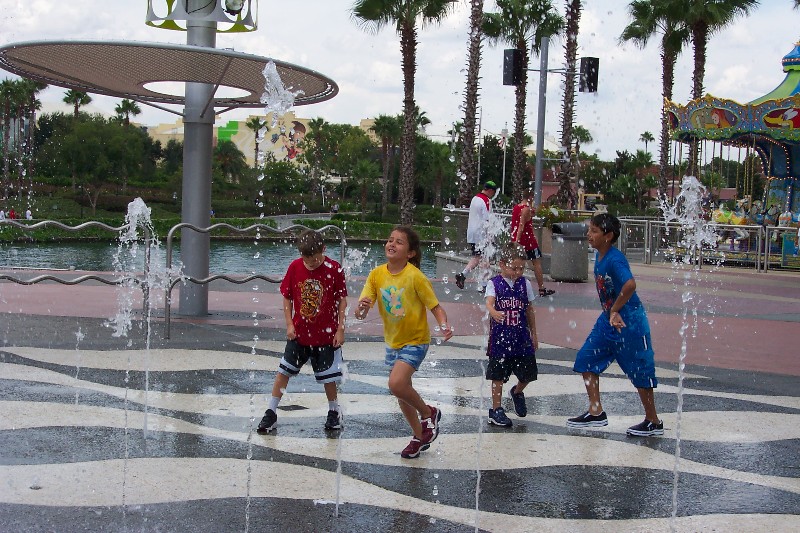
[528,238]
[315,296]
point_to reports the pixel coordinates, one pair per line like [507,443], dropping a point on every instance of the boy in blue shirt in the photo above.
[621,333]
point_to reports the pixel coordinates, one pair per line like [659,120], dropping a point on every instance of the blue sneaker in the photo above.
[498,418]
[520,407]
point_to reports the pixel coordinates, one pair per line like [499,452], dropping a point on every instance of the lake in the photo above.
[226,257]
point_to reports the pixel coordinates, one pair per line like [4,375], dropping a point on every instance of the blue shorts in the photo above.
[412,354]
[631,348]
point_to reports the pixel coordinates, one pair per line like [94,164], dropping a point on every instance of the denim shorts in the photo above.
[631,348]
[412,354]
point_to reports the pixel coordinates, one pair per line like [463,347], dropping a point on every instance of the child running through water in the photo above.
[403,295]
[512,333]
[314,305]
[621,332]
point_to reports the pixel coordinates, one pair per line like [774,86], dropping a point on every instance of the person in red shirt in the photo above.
[522,233]
[12,215]
[314,304]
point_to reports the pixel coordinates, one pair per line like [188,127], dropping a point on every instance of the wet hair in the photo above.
[413,244]
[511,251]
[310,243]
[607,223]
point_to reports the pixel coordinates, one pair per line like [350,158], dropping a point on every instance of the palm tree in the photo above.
[404,14]
[388,130]
[664,17]
[7,95]
[78,99]
[704,17]
[521,24]
[467,161]
[646,138]
[581,135]
[255,124]
[568,169]
[125,109]
[34,88]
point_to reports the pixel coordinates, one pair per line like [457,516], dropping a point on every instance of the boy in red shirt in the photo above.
[314,303]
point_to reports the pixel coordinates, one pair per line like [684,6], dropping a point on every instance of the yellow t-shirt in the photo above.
[403,300]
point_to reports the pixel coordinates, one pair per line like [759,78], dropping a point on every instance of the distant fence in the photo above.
[648,239]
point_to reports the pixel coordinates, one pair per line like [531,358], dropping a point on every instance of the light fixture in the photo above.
[234,7]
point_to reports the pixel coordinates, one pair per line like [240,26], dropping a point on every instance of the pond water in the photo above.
[226,257]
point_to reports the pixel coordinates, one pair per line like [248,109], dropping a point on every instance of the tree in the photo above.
[229,163]
[404,14]
[568,169]
[388,130]
[125,109]
[703,18]
[7,95]
[33,88]
[77,99]
[467,160]
[581,135]
[646,138]
[521,24]
[255,124]
[665,17]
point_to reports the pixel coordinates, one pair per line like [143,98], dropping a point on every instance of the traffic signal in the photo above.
[512,66]
[587,83]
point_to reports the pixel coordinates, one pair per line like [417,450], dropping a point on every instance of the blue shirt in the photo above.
[610,274]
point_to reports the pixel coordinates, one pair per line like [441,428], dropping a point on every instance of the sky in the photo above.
[743,63]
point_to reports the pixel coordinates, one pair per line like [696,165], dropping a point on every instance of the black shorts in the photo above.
[325,360]
[533,254]
[475,251]
[524,368]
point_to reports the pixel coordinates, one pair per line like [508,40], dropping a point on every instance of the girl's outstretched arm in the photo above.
[441,319]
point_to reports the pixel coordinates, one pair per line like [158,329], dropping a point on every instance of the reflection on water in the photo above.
[226,257]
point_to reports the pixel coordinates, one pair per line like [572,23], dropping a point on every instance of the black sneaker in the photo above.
[646,429]
[333,421]
[461,279]
[587,420]
[498,418]
[268,422]
[519,402]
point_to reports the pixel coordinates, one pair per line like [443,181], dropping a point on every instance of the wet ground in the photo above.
[143,433]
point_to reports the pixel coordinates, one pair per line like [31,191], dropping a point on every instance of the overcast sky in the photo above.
[743,62]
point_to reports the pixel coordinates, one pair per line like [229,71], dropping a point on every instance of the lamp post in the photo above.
[504,136]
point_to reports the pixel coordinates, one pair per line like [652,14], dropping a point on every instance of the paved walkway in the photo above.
[143,433]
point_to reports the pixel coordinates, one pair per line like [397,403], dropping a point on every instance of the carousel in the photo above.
[763,138]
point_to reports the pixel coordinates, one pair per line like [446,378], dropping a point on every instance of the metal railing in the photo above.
[237,280]
[143,283]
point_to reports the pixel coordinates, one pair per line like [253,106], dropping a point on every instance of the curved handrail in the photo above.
[237,280]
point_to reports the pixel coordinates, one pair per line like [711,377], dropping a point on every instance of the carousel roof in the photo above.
[776,115]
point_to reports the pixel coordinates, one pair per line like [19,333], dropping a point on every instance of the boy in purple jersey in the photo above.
[621,333]
[512,333]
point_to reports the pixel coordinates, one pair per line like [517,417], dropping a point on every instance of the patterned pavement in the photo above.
[143,433]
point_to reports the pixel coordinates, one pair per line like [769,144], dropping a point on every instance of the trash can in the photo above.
[569,259]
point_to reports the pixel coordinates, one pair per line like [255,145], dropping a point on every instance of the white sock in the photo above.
[333,405]
[465,271]
[273,403]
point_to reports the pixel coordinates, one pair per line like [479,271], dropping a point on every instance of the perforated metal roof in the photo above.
[121,69]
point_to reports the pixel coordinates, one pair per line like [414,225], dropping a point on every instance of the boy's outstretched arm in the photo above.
[625,294]
[441,319]
[291,334]
[338,338]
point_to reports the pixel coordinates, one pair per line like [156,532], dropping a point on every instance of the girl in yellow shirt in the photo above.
[403,295]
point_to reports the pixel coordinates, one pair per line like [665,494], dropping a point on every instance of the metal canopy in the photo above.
[121,69]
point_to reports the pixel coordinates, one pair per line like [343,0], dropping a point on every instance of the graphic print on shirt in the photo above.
[606,291]
[311,292]
[392,298]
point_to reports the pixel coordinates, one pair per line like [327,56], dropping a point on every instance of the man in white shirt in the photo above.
[477,226]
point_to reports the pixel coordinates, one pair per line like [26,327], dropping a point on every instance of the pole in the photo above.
[537,195]
[198,126]
[504,133]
